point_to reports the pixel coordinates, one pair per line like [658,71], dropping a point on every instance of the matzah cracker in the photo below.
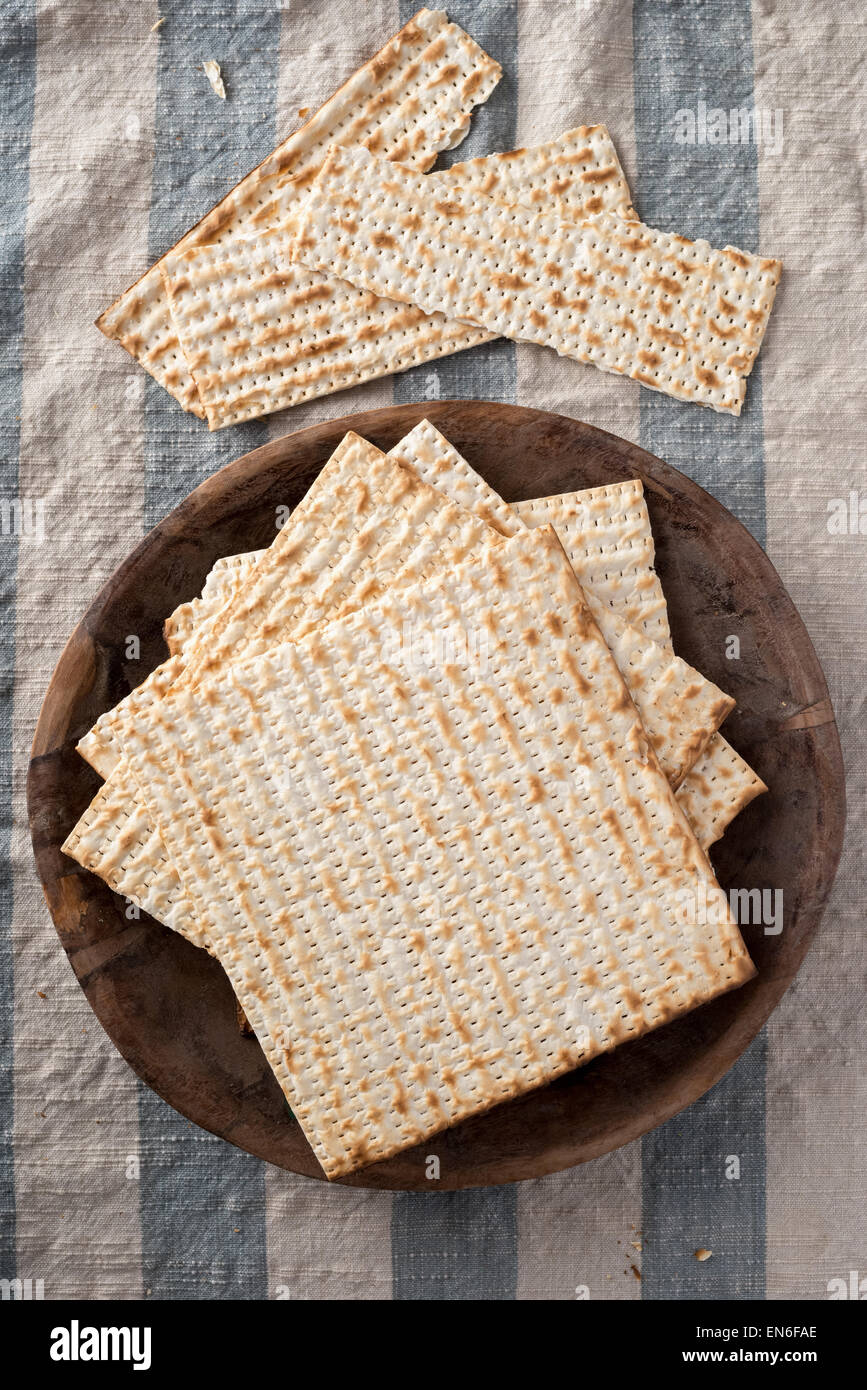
[605,531]
[116,839]
[260,334]
[618,578]
[678,316]
[431,888]
[399,526]
[411,100]
[611,514]
[578,174]
[618,569]
[314,541]
[221,584]
[717,788]
[180,625]
[437,462]
[720,783]
[680,710]
[97,745]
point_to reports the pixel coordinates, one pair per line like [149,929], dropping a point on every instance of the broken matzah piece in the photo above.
[436,887]
[181,623]
[675,315]
[411,100]
[717,787]
[577,174]
[222,583]
[260,334]
[117,840]
[720,783]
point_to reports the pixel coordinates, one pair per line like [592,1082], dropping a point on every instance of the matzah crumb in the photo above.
[212,72]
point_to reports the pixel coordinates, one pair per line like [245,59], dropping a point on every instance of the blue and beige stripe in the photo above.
[17,83]
[815,1143]
[577,1230]
[76,1123]
[686,52]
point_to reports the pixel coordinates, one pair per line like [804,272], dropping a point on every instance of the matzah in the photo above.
[260,334]
[600,527]
[720,783]
[411,100]
[117,840]
[717,788]
[400,865]
[221,584]
[606,533]
[675,315]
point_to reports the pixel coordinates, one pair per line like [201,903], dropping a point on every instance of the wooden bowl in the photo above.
[169,1008]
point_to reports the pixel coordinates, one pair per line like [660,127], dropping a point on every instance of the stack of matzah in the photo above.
[422,775]
[339,259]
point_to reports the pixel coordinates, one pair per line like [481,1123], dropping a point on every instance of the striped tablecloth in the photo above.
[113,144]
